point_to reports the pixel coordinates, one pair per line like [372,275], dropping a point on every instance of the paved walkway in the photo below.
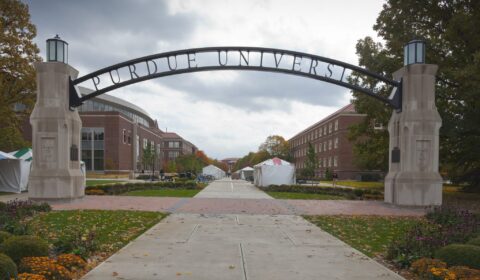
[243,247]
[227,188]
[210,237]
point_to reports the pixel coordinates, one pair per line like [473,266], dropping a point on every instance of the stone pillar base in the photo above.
[413,189]
[55,174]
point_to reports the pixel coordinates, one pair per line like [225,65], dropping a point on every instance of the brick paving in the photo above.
[238,206]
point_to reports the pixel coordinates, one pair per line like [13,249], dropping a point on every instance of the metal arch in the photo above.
[394,100]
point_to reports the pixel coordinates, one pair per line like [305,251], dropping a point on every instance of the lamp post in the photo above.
[57,50]
[414,52]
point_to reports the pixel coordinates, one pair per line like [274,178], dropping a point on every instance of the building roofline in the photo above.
[345,110]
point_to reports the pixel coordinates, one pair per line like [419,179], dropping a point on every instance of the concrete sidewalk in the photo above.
[227,188]
[243,247]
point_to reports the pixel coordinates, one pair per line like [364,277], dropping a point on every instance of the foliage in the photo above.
[17,75]
[149,156]
[13,213]
[71,261]
[422,267]
[460,254]
[30,276]
[368,234]
[276,146]
[7,267]
[311,163]
[164,193]
[112,229]
[189,163]
[18,247]
[450,30]
[328,174]
[115,189]
[49,268]
[251,159]
[442,227]
[293,195]
[474,241]
[103,182]
[345,192]
[4,236]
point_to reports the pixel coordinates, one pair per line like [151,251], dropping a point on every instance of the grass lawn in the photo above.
[292,195]
[6,193]
[164,192]
[102,182]
[358,184]
[368,234]
[112,229]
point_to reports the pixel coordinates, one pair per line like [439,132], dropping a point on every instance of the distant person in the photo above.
[162,174]
[334,178]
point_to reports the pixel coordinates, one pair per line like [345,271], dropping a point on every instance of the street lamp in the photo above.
[57,50]
[414,52]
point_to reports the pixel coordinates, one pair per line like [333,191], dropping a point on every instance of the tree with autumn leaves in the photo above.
[17,74]
[450,29]
[273,146]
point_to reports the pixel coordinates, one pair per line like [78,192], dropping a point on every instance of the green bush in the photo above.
[18,247]
[460,255]
[123,188]
[8,269]
[4,236]
[3,206]
[474,241]
[346,192]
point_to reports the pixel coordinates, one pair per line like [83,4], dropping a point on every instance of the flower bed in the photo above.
[345,192]
[116,189]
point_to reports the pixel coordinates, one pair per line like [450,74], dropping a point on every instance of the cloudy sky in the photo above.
[225,113]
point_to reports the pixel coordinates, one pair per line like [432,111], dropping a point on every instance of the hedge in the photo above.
[460,255]
[8,269]
[18,247]
[346,192]
[115,189]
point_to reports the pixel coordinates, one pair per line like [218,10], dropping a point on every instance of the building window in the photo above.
[330,144]
[330,128]
[324,146]
[329,161]
[325,130]
[335,145]
[145,143]
[172,155]
[124,136]
[129,137]
[335,161]
[92,146]
[336,125]
[174,144]
[324,162]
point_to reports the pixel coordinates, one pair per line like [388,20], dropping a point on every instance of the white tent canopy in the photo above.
[274,171]
[214,171]
[246,173]
[14,170]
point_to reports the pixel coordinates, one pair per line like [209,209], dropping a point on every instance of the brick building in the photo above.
[174,146]
[115,133]
[329,138]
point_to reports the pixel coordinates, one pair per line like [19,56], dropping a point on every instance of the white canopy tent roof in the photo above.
[214,171]
[14,170]
[246,173]
[274,171]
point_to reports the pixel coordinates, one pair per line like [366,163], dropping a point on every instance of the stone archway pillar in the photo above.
[55,172]
[413,177]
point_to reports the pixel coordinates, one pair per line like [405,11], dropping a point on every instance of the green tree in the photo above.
[148,157]
[311,162]
[17,75]
[450,29]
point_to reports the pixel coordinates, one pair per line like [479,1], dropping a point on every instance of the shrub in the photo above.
[423,266]
[71,261]
[7,267]
[114,189]
[18,247]
[79,243]
[346,192]
[25,208]
[30,276]
[3,206]
[460,255]
[94,192]
[4,236]
[443,226]
[474,241]
[464,273]
[46,267]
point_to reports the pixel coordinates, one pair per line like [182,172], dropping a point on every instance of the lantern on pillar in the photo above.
[57,50]
[414,52]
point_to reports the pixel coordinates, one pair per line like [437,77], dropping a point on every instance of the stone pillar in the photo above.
[413,177]
[55,173]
